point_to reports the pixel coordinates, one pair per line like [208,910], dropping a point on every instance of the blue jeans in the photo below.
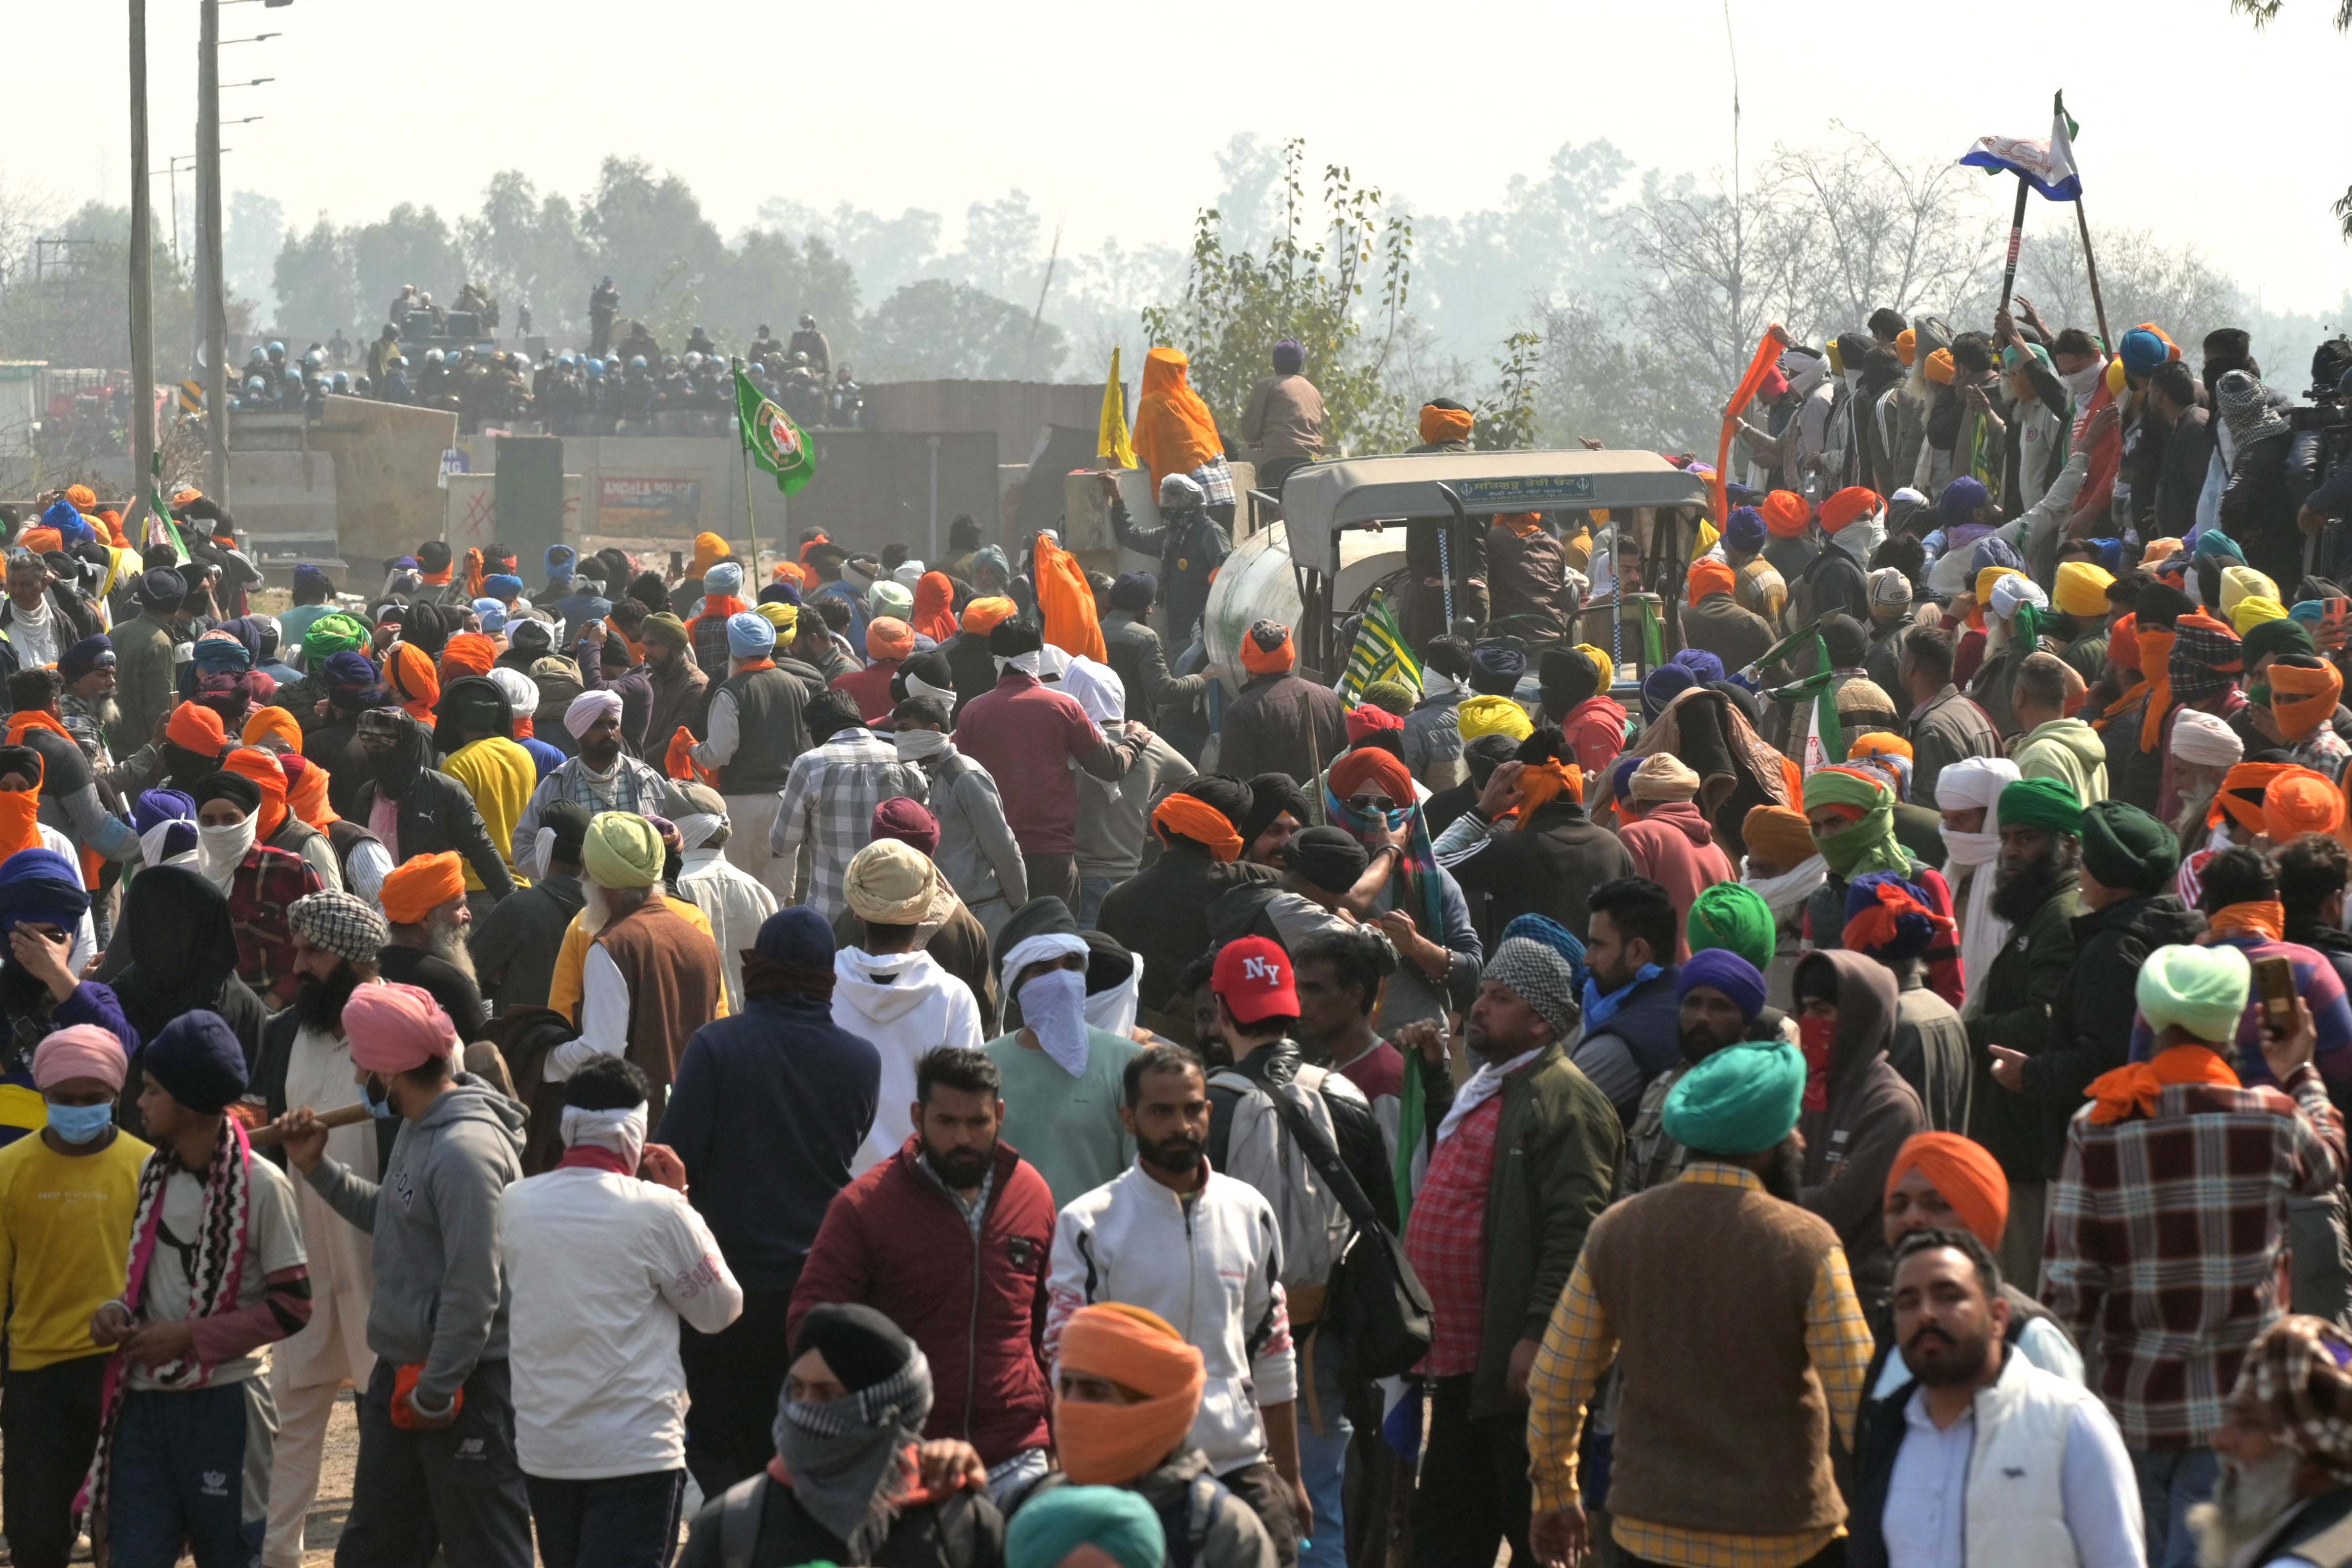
[1090,897]
[1323,1457]
[181,1461]
[2172,1482]
[615,1522]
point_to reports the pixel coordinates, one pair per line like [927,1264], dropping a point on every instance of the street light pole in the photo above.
[209,299]
[143,284]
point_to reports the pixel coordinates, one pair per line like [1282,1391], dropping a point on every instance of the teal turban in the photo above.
[2046,803]
[1054,1523]
[2202,989]
[1742,1099]
[1735,918]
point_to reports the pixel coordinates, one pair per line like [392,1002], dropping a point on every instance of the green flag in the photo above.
[775,443]
[1379,654]
[1825,746]
[161,528]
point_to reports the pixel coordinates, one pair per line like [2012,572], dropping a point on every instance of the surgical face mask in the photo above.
[380,1109]
[79,1123]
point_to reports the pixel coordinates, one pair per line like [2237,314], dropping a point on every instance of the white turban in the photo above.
[521,691]
[909,572]
[2202,741]
[588,709]
[2007,594]
[1097,688]
[1974,783]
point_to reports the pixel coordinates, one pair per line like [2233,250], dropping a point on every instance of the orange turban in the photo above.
[887,636]
[2303,697]
[709,550]
[1786,513]
[1542,783]
[1111,1445]
[983,616]
[792,573]
[1783,836]
[2301,801]
[1939,367]
[408,671]
[196,729]
[272,724]
[306,791]
[1907,346]
[84,499]
[261,767]
[1849,505]
[41,540]
[2244,795]
[934,611]
[1880,743]
[1444,425]
[1710,576]
[1966,1176]
[2123,644]
[467,653]
[1190,816]
[1383,771]
[1526,524]
[1261,657]
[422,884]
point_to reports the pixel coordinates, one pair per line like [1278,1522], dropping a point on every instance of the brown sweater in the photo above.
[675,983]
[1718,1382]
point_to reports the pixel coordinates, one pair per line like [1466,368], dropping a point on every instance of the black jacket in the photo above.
[2091,1017]
[962,1530]
[439,814]
[1550,868]
[2025,980]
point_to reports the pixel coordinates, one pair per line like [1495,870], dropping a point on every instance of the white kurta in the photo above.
[736,903]
[334,1345]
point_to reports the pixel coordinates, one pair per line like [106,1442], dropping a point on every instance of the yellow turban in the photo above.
[2240,584]
[1988,576]
[2253,610]
[1604,663]
[1493,716]
[621,850]
[890,883]
[2082,590]
[785,618]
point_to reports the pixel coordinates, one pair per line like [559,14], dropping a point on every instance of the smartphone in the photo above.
[678,563]
[2275,983]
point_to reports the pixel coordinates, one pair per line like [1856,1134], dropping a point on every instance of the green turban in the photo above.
[1054,1523]
[1869,844]
[329,635]
[621,850]
[2049,804]
[663,628]
[2124,846]
[1743,1099]
[2273,637]
[1735,918]
[2202,989]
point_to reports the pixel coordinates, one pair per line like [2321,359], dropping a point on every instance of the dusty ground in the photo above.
[326,1522]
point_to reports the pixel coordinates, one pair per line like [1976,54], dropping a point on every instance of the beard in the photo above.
[446,939]
[2015,897]
[600,755]
[2246,1504]
[1698,1045]
[1178,1156]
[1784,1178]
[1939,1361]
[321,1001]
[960,1169]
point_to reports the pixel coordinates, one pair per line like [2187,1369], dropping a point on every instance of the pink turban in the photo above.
[588,709]
[83,1050]
[395,1028]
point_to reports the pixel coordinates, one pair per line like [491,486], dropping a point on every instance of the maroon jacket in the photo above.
[898,1240]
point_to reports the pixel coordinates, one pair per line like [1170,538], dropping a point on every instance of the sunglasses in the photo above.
[1368,803]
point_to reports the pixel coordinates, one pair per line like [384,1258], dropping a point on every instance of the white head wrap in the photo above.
[521,691]
[588,709]
[2202,741]
[1097,688]
[1974,782]
[909,572]
[2011,592]
[621,1131]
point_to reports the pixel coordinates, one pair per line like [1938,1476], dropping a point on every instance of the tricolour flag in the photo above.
[2048,166]
[1113,446]
[1379,654]
[775,443]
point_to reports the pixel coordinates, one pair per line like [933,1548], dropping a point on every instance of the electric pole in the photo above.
[209,300]
[142,283]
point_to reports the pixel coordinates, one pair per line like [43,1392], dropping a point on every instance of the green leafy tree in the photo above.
[1237,303]
[410,245]
[651,234]
[1505,420]
[937,330]
[527,250]
[314,283]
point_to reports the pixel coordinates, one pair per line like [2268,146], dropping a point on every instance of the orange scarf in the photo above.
[678,761]
[20,723]
[1542,783]
[2156,666]
[2243,780]
[1190,816]
[440,579]
[308,799]
[20,826]
[2117,1094]
[474,574]
[2265,918]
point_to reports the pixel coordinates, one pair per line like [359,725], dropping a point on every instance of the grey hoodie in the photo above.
[440,1297]
[1850,1143]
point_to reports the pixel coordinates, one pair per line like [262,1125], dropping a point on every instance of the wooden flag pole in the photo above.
[2016,241]
[2091,265]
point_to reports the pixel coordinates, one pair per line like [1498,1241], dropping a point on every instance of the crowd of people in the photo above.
[854,1054]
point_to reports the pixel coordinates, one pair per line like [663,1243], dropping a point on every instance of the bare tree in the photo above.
[1868,231]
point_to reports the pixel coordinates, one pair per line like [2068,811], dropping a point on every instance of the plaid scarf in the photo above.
[1422,896]
[2205,660]
[217,1274]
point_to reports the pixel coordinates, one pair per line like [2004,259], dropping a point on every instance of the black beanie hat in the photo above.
[861,1345]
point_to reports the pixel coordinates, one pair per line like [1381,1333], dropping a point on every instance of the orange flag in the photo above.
[1768,354]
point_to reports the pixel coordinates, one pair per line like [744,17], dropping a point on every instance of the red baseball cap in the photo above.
[1253,976]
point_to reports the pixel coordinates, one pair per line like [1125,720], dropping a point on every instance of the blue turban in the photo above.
[493,614]
[71,526]
[726,578]
[1663,685]
[559,562]
[1743,1099]
[162,589]
[1958,505]
[502,585]
[1289,356]
[198,1062]
[1497,660]
[82,657]
[2111,555]
[1701,663]
[1993,551]
[40,885]
[1745,532]
[2219,545]
[780,593]
[2142,352]
[1552,934]
[1902,925]
[158,807]
[1721,969]
[1134,592]
[222,656]
[749,635]
[309,579]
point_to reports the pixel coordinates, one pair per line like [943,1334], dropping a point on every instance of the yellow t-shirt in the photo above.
[499,776]
[65,1239]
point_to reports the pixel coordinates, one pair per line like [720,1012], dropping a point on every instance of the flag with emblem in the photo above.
[779,446]
[1379,654]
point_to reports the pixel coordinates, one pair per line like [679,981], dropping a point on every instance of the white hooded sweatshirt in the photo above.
[903,1004]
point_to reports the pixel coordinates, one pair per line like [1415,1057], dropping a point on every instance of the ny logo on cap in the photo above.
[1265,969]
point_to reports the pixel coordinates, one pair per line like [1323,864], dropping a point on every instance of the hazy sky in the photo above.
[1112,123]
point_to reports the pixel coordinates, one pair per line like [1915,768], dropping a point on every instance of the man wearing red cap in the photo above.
[438,1319]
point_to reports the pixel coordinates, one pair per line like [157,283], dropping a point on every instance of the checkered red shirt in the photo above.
[2165,1236]
[264,888]
[1445,1242]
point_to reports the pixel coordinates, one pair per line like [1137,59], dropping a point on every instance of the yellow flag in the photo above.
[1113,447]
